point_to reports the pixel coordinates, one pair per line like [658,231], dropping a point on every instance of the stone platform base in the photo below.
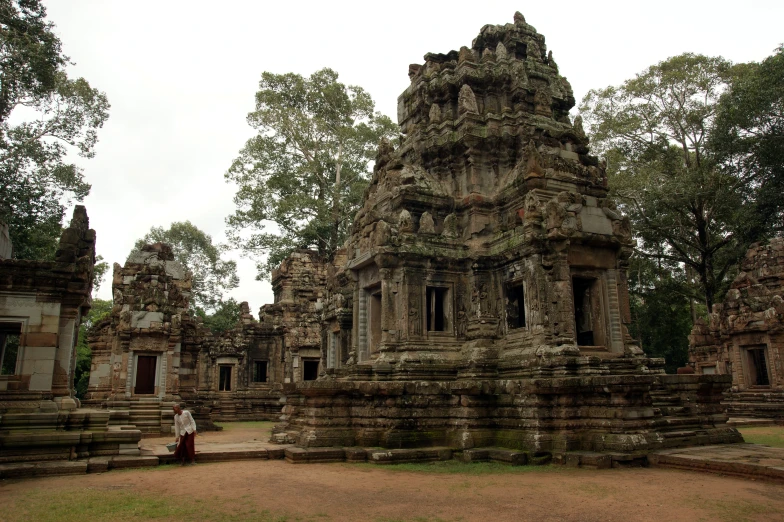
[621,413]
[741,460]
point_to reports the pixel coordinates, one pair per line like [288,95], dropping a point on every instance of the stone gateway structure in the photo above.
[744,336]
[482,297]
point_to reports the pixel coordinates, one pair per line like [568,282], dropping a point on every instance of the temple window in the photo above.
[436,309]
[10,335]
[224,383]
[310,369]
[374,319]
[588,312]
[259,371]
[757,365]
[515,306]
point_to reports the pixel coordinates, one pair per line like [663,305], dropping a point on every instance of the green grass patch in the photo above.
[738,510]
[769,435]
[457,467]
[120,503]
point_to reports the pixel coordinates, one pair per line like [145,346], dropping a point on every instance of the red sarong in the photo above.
[186,449]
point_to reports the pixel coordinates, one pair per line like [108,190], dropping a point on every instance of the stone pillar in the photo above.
[388,312]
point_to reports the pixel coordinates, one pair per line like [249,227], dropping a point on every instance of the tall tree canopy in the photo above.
[212,275]
[687,208]
[302,176]
[748,137]
[43,116]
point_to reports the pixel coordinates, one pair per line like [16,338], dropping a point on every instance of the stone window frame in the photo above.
[22,321]
[303,365]
[232,379]
[364,332]
[266,372]
[746,365]
[449,309]
[508,286]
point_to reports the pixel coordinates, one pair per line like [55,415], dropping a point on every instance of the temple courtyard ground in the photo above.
[273,490]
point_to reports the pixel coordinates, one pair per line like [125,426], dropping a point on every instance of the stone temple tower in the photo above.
[482,299]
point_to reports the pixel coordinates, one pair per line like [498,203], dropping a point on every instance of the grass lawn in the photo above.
[772,436]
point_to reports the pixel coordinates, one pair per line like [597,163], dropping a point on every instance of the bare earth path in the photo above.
[275,490]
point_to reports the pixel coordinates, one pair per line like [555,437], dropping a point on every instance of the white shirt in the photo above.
[184,423]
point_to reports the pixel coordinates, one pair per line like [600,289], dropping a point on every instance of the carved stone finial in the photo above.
[500,51]
[435,113]
[426,224]
[487,54]
[404,222]
[465,55]
[550,60]
[466,100]
[450,226]
[519,18]
[578,126]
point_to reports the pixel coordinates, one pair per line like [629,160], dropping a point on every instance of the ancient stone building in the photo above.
[482,299]
[152,352]
[42,304]
[299,288]
[744,336]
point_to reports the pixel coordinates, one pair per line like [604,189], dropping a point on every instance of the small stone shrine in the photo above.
[42,304]
[744,336]
[482,297]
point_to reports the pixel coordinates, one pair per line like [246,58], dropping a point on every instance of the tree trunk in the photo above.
[333,239]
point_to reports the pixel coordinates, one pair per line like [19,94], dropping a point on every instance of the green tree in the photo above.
[44,116]
[212,275]
[306,169]
[661,311]
[100,310]
[748,137]
[224,318]
[686,209]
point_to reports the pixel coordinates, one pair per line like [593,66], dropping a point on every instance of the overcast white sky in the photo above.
[181,76]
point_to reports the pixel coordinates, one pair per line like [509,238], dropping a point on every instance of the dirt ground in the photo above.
[276,490]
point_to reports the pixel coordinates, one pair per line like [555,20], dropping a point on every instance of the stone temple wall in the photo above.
[744,336]
[42,304]
[152,352]
[482,297]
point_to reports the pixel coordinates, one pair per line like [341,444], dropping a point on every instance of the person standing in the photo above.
[185,430]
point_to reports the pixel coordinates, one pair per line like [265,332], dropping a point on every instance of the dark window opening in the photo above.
[515,308]
[224,383]
[436,316]
[374,301]
[758,367]
[310,369]
[10,335]
[582,311]
[260,371]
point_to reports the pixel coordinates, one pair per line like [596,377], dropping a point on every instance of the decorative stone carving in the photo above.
[500,51]
[426,224]
[405,223]
[450,226]
[435,113]
[466,101]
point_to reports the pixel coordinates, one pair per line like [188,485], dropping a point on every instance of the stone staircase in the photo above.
[227,411]
[150,415]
